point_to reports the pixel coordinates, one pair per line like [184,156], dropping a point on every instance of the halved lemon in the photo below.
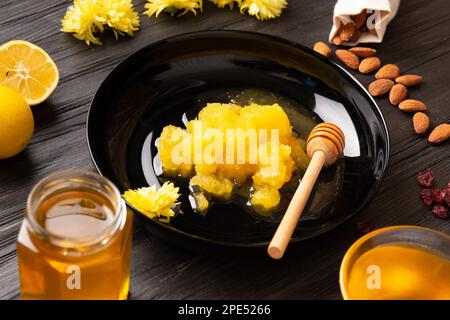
[29,70]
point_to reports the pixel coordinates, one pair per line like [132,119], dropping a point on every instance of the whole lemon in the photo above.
[16,123]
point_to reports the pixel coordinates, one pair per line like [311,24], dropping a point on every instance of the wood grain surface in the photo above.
[418,40]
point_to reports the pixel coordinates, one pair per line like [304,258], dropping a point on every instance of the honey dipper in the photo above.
[324,146]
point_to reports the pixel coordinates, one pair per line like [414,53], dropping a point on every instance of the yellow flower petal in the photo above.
[81,19]
[154,203]
[119,15]
[155,7]
[263,9]
[86,17]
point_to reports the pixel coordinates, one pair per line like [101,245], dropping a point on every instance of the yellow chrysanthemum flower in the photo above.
[263,9]
[155,7]
[224,3]
[86,17]
[81,19]
[154,203]
[119,15]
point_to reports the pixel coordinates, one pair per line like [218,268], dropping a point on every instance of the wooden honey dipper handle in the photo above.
[324,146]
[284,232]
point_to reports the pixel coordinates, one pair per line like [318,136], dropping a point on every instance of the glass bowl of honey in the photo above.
[397,263]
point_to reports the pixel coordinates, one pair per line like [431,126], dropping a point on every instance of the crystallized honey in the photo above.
[229,145]
[399,272]
[75,242]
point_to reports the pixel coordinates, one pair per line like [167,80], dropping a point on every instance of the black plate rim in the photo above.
[224,33]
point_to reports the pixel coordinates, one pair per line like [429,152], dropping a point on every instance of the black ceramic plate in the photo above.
[172,79]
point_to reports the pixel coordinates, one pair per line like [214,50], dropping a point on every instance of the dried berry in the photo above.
[438,196]
[425,178]
[447,195]
[363,227]
[440,211]
[427,196]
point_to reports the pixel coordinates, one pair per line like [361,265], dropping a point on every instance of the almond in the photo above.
[322,48]
[410,105]
[421,122]
[347,32]
[409,79]
[380,87]
[398,94]
[369,65]
[440,133]
[388,71]
[355,36]
[336,40]
[363,52]
[348,58]
[360,19]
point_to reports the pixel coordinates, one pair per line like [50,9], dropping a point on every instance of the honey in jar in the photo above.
[406,273]
[75,241]
[398,263]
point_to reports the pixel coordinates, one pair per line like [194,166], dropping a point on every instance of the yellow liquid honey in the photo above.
[70,270]
[405,272]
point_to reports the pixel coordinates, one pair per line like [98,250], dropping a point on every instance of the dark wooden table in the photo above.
[418,40]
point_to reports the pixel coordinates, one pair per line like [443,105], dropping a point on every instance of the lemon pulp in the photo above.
[29,70]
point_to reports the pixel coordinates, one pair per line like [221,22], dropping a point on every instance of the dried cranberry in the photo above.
[447,196]
[363,227]
[427,196]
[438,196]
[425,178]
[440,211]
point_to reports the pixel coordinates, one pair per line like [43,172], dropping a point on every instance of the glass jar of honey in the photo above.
[75,240]
[397,263]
